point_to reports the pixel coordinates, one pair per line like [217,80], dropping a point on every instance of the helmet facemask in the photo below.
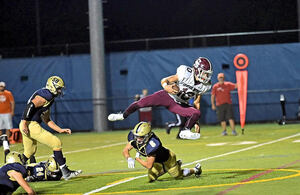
[51,166]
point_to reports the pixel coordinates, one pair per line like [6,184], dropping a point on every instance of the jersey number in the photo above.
[185,96]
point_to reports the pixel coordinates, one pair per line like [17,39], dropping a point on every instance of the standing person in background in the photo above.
[221,93]
[7,111]
[145,114]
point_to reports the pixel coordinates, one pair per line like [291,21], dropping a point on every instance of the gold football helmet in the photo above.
[142,132]
[52,165]
[55,85]
[13,157]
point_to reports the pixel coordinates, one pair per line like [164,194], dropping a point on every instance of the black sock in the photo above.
[24,159]
[32,159]
[6,152]
[58,156]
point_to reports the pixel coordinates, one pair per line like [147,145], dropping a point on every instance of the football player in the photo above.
[187,83]
[159,159]
[12,175]
[38,110]
[44,171]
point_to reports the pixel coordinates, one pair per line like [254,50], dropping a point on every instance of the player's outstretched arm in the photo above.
[148,163]
[126,154]
[19,178]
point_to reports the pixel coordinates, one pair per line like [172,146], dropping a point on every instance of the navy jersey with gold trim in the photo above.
[45,93]
[152,148]
[6,180]
[38,172]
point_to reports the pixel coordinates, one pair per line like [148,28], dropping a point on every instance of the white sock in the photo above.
[62,166]
[5,145]
[186,171]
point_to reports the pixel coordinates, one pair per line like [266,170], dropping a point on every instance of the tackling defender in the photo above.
[159,159]
[38,110]
[189,82]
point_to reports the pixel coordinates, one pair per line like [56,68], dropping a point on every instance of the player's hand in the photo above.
[130,163]
[24,128]
[173,89]
[137,155]
[68,131]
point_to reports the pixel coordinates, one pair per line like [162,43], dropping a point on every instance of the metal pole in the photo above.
[98,66]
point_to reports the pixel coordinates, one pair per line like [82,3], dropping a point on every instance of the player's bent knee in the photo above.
[176,172]
[56,143]
[152,176]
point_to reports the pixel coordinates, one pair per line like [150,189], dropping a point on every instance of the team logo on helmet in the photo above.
[203,69]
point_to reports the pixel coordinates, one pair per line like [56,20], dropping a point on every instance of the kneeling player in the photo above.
[159,159]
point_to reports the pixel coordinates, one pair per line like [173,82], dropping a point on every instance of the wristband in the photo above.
[164,84]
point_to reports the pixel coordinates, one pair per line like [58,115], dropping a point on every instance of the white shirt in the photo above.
[187,86]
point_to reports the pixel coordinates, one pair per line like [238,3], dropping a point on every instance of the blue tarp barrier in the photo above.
[127,73]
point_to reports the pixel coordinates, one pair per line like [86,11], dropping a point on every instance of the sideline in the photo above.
[204,159]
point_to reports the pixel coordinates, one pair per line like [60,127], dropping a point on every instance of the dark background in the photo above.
[64,24]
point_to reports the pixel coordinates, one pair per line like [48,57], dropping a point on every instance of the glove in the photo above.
[130,163]
[137,155]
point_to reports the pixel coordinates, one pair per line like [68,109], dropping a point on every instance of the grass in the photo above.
[103,164]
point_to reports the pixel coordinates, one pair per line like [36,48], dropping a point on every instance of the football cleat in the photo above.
[115,117]
[198,170]
[224,133]
[234,132]
[187,134]
[68,174]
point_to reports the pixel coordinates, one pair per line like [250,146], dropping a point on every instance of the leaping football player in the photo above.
[187,83]
[159,160]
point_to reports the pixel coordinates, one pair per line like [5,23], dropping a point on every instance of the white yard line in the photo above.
[204,159]
[87,149]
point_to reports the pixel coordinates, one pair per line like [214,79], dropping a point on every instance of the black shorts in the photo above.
[225,112]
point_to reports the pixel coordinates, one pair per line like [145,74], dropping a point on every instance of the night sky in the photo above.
[66,21]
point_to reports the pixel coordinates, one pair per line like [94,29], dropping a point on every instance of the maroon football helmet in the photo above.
[203,69]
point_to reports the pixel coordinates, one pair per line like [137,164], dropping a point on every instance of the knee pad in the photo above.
[176,171]
[155,172]
[55,143]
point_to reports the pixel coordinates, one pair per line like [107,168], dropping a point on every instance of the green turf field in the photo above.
[266,160]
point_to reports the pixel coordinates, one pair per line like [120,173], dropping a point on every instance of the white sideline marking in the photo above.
[204,159]
[296,141]
[217,144]
[87,149]
[245,143]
